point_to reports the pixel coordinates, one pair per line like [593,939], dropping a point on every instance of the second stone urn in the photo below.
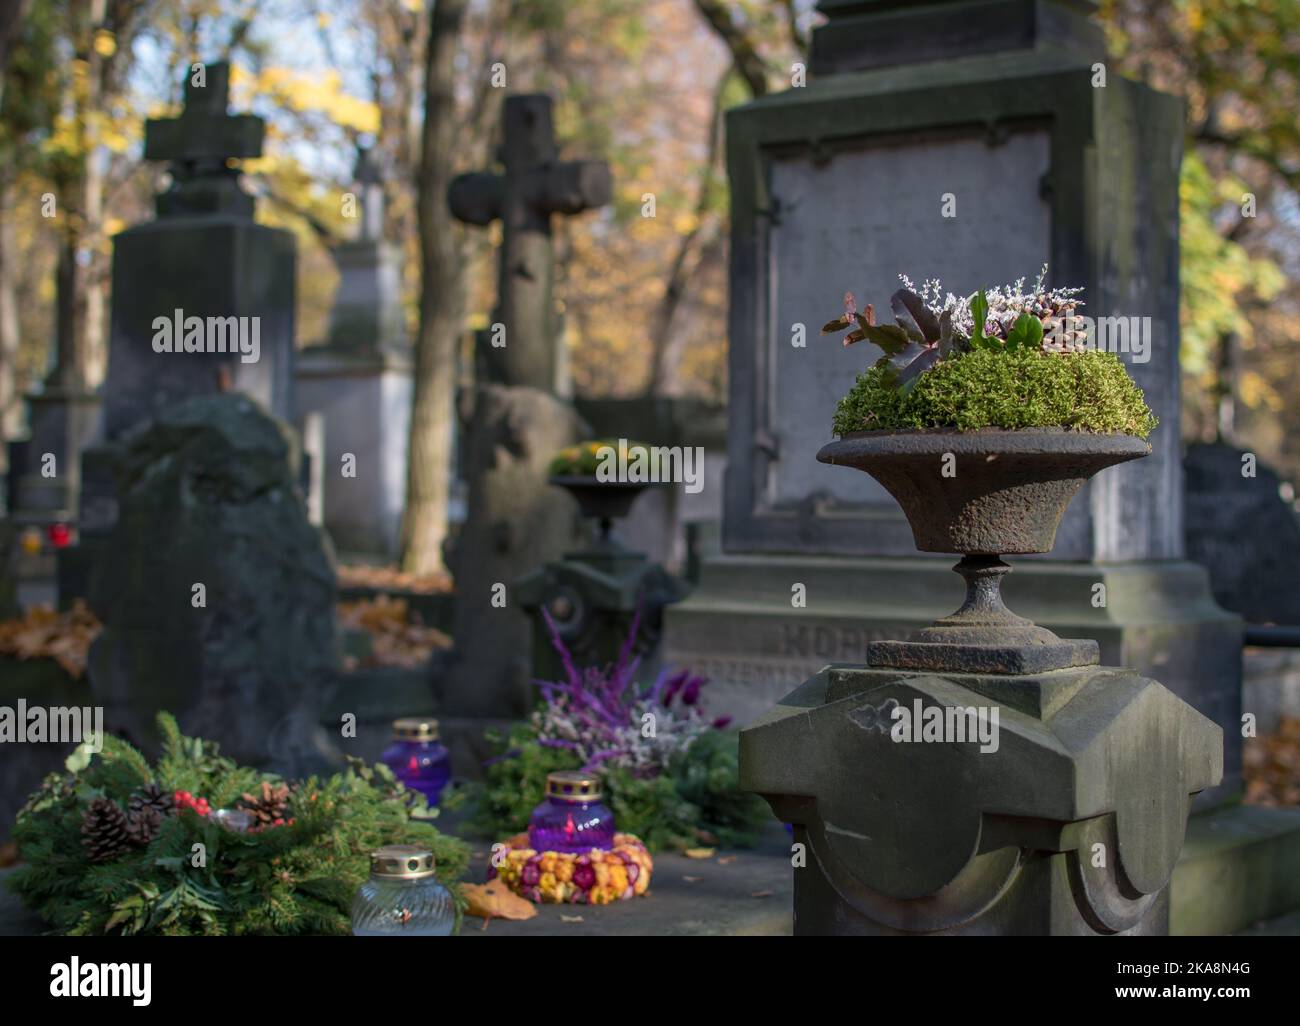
[982,776]
[594,597]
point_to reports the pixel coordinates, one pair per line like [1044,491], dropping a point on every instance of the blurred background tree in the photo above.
[641,83]
[1237,63]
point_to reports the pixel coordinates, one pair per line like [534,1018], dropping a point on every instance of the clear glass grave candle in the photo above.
[571,819]
[403,897]
[417,758]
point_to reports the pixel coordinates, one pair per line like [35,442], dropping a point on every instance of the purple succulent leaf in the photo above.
[911,374]
[917,319]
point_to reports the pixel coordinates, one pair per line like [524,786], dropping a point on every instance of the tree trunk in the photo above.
[665,347]
[79,301]
[428,474]
[10,407]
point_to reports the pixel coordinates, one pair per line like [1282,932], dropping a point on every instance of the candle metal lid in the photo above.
[573,786]
[416,728]
[401,862]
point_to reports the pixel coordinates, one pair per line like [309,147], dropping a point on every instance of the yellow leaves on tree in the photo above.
[1218,274]
[309,93]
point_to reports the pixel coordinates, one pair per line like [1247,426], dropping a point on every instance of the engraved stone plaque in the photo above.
[854,224]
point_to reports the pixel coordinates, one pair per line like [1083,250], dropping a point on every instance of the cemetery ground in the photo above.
[385,619]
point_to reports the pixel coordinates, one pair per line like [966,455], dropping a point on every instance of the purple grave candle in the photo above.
[571,818]
[416,757]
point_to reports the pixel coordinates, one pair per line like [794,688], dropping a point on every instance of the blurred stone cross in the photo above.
[198,145]
[533,186]
[369,183]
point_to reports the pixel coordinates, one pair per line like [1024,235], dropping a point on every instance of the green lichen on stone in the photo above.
[1084,391]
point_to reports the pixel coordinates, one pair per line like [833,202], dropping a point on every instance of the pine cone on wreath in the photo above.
[104,830]
[268,807]
[151,796]
[143,825]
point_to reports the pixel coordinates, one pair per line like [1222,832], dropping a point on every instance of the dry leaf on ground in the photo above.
[700,853]
[494,900]
[41,633]
[1272,765]
[397,637]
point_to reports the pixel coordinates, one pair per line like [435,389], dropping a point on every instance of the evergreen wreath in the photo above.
[110,845]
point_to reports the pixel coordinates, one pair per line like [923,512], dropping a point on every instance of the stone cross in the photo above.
[199,142]
[533,187]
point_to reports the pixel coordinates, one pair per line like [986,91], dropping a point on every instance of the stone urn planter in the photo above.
[983,494]
[969,779]
[602,501]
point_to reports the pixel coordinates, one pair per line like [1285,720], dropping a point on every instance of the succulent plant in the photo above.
[915,343]
[930,326]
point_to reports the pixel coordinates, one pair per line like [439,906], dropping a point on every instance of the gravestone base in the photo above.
[740,629]
[1240,866]
[365,401]
[1064,817]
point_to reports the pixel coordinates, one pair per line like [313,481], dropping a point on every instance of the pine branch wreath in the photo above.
[109,845]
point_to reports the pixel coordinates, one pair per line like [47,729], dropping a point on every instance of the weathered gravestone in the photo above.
[202,297]
[514,420]
[359,382]
[205,256]
[216,594]
[994,113]
[1242,530]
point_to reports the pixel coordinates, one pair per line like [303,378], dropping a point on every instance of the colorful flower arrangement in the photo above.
[669,771]
[582,460]
[593,878]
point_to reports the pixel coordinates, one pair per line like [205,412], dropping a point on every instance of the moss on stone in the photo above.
[1085,391]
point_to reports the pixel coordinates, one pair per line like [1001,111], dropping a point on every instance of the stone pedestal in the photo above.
[1069,822]
[740,629]
[592,598]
